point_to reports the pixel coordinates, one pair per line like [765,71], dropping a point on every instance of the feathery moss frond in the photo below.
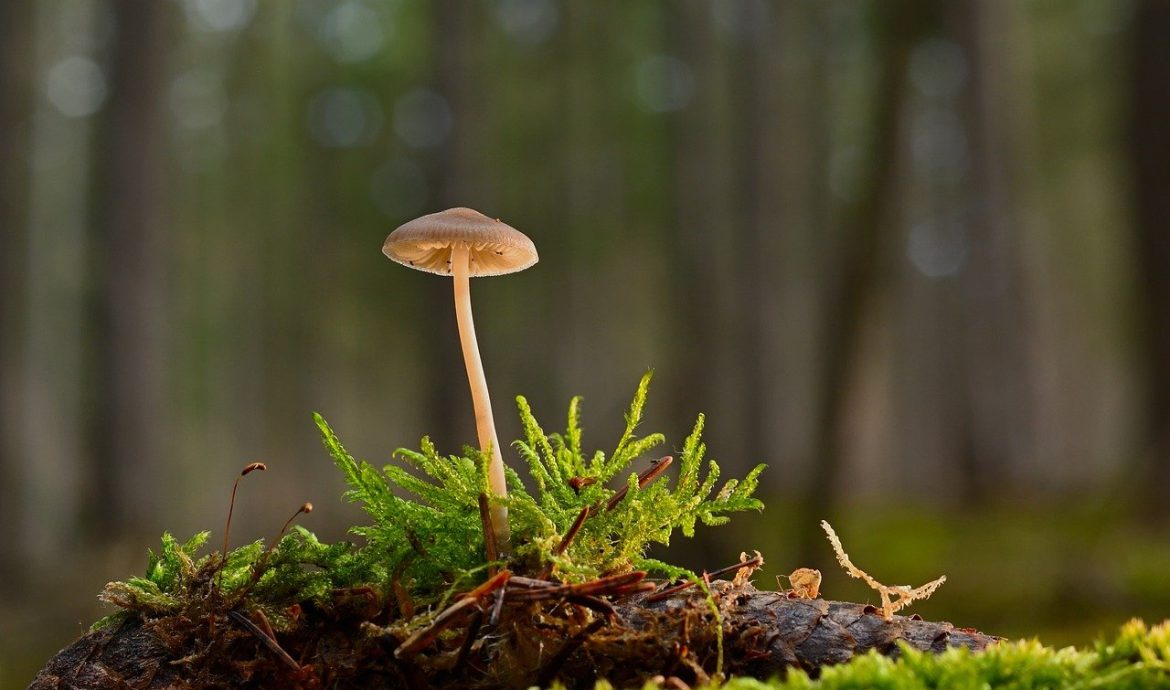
[425,534]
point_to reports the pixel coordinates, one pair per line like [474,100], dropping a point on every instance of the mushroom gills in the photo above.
[486,258]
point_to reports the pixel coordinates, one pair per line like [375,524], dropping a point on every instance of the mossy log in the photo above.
[765,634]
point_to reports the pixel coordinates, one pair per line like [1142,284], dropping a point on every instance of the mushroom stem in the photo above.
[485,424]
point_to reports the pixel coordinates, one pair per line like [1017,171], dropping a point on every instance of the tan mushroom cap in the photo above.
[425,243]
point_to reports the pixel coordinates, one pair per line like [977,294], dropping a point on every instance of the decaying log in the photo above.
[765,634]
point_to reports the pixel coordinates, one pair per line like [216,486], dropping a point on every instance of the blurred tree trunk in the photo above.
[996,435]
[15,56]
[127,395]
[757,150]
[857,273]
[452,181]
[698,182]
[1149,148]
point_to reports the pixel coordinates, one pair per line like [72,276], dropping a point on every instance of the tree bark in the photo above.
[128,365]
[857,273]
[452,181]
[1149,151]
[765,634]
[15,38]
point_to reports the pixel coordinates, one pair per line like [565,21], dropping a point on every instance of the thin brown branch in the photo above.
[499,605]
[469,639]
[753,562]
[402,597]
[487,587]
[657,467]
[549,673]
[572,533]
[578,483]
[623,583]
[269,642]
[450,615]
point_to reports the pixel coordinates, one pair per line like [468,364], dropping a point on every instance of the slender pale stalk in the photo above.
[485,424]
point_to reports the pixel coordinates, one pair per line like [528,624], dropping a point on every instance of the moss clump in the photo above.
[426,537]
[1138,658]
[436,532]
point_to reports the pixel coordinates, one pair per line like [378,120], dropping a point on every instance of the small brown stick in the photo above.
[467,601]
[469,638]
[499,606]
[418,641]
[549,674]
[264,624]
[578,483]
[572,533]
[401,596]
[601,586]
[595,603]
[269,642]
[489,585]
[655,470]
[753,562]
[489,534]
[567,539]
[415,543]
[530,583]
[405,605]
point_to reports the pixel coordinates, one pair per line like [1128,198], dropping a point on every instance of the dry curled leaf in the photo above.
[750,564]
[806,583]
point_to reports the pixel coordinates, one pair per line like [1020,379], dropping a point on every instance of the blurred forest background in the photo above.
[913,254]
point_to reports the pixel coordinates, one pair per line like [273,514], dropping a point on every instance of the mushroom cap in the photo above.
[425,243]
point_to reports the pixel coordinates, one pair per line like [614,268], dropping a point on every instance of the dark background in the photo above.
[912,254]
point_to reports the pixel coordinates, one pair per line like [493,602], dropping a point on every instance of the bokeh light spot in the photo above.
[344,117]
[938,68]
[530,22]
[76,86]
[197,99]
[219,15]
[938,142]
[352,32]
[741,18]
[398,188]
[937,250]
[664,83]
[423,119]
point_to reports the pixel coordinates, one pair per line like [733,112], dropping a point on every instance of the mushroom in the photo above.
[464,243]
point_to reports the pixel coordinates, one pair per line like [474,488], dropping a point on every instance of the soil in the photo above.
[531,643]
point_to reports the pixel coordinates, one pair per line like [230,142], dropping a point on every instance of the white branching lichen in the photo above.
[894,597]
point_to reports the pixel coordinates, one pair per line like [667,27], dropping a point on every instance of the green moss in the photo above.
[425,534]
[1137,659]
[435,532]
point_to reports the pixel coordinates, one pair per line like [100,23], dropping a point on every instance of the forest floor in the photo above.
[530,643]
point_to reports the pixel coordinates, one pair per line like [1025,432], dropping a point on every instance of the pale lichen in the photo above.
[894,597]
